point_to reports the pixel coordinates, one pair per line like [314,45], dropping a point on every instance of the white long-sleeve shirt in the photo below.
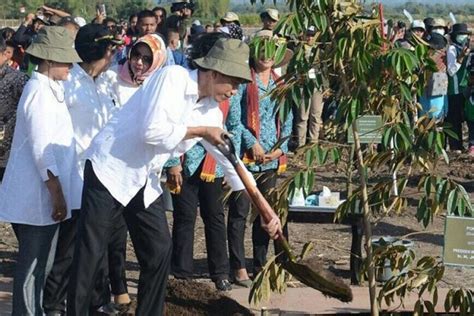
[89,106]
[43,140]
[131,150]
[111,84]
[452,64]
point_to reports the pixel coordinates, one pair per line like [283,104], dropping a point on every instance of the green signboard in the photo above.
[459,241]
[370,130]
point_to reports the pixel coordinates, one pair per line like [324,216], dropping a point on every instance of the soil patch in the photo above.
[197,298]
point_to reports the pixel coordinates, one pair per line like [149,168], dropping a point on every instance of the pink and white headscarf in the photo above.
[158,49]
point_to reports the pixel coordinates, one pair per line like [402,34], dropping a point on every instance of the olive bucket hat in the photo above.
[229,57]
[54,43]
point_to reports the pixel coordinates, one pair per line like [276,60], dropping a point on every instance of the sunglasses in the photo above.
[135,56]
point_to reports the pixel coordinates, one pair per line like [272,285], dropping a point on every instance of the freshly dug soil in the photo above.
[198,298]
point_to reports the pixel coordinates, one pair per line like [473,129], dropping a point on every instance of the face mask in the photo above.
[461,39]
[439,31]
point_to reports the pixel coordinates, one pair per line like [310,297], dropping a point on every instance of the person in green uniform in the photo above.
[457,61]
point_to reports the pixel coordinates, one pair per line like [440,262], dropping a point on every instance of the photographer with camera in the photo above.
[457,62]
[181,18]
[398,31]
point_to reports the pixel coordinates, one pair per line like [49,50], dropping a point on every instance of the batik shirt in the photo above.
[11,86]
[268,109]
[193,159]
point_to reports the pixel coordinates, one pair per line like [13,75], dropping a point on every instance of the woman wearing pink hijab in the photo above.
[146,56]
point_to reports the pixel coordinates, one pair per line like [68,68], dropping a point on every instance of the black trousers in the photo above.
[239,206]
[455,117]
[151,239]
[112,270]
[116,254]
[209,195]
[55,290]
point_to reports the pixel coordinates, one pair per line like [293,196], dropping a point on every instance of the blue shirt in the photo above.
[192,160]
[268,110]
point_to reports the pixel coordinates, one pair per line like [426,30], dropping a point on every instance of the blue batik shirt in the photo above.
[268,109]
[194,157]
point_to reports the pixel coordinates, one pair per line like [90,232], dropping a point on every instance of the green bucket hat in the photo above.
[229,57]
[54,43]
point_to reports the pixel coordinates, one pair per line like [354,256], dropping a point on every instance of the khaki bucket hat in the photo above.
[271,13]
[55,44]
[230,17]
[439,22]
[229,57]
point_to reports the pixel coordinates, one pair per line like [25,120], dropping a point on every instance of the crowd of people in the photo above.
[93,115]
[448,95]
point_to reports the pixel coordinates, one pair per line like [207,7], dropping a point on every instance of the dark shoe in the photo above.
[223,285]
[107,309]
[243,283]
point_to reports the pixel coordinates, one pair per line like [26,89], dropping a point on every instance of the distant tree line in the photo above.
[462,12]
[212,10]
[206,9]
[84,8]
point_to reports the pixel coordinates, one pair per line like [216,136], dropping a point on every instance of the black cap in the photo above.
[178,5]
[197,29]
[311,31]
[436,41]
[42,19]
[91,34]
[460,28]
[429,21]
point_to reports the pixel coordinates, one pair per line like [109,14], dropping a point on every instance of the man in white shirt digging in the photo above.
[173,110]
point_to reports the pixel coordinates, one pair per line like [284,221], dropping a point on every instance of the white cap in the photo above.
[196,22]
[80,21]
[417,24]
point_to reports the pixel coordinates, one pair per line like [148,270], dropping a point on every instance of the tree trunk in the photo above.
[374,310]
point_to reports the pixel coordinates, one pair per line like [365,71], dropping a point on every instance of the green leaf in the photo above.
[448,302]
[431,137]
[297,180]
[418,309]
[307,248]
[336,155]
[435,296]
[406,93]
[461,206]
[441,191]
[452,200]
[280,53]
[439,141]
[449,132]
[421,210]
[428,186]
[309,158]
[430,308]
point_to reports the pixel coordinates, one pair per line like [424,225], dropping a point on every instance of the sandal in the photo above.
[243,283]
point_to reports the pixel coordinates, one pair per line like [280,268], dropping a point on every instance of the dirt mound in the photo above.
[196,298]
